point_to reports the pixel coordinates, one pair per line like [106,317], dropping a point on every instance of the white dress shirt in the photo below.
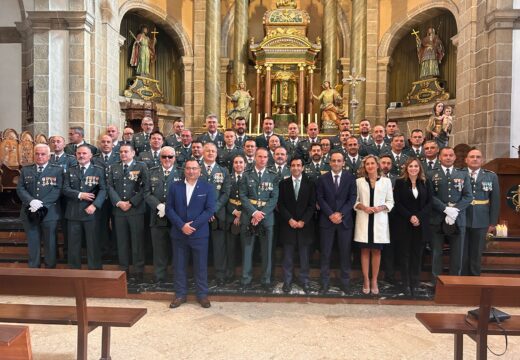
[189,191]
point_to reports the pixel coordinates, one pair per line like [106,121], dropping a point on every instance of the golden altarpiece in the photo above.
[284,63]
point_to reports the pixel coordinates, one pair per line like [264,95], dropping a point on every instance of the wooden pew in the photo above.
[483,292]
[15,343]
[79,284]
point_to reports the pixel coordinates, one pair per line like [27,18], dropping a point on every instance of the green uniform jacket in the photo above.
[264,190]
[128,187]
[157,190]
[92,182]
[219,179]
[456,192]
[486,187]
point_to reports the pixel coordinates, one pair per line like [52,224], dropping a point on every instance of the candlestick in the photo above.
[250,122]
[301,124]
[308,119]
[258,125]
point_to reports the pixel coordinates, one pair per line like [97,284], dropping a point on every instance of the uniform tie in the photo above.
[296,188]
[259,175]
[166,173]
[40,169]
[448,172]
[82,171]
[208,169]
[125,169]
[474,175]
[397,159]
[155,156]
[279,170]
[145,137]
[239,177]
[353,160]
[106,158]
[430,164]
[336,182]
[378,146]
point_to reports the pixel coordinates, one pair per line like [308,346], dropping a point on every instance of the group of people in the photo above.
[388,195]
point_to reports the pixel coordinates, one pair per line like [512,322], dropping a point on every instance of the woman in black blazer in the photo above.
[413,204]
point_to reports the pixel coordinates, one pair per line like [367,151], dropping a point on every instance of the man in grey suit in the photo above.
[85,190]
[218,177]
[127,182]
[482,214]
[156,192]
[451,196]
[39,187]
[258,196]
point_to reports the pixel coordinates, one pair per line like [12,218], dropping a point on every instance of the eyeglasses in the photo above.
[167,156]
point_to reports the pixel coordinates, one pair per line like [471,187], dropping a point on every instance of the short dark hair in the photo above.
[446,148]
[84,146]
[197,142]
[157,132]
[127,145]
[313,145]
[78,129]
[415,131]
[239,118]
[296,159]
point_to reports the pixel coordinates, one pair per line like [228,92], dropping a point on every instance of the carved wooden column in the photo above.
[301,91]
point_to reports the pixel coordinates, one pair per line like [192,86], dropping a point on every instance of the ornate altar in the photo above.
[284,59]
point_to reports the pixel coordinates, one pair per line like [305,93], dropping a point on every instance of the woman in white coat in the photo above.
[374,201]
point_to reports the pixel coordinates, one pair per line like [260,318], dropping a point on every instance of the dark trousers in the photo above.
[130,231]
[46,232]
[248,245]
[411,248]
[161,244]
[79,230]
[344,237]
[231,241]
[218,238]
[106,233]
[388,253]
[474,245]
[288,256]
[181,256]
[456,250]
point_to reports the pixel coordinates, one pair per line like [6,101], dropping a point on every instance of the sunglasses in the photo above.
[167,156]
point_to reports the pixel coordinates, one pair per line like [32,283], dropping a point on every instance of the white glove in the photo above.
[36,204]
[31,209]
[161,210]
[449,220]
[452,212]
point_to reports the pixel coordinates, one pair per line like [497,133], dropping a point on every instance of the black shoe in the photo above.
[267,287]
[229,280]
[139,277]
[204,302]
[306,288]
[414,290]
[245,287]
[345,288]
[221,282]
[407,290]
[177,301]
[286,288]
[324,289]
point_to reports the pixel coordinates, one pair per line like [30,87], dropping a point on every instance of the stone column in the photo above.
[358,54]
[301,91]
[187,90]
[240,41]
[267,98]
[212,58]
[330,36]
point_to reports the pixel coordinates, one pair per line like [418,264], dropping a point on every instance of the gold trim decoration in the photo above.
[145,89]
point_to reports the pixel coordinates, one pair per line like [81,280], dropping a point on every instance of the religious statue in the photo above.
[430,52]
[440,124]
[241,99]
[143,51]
[329,99]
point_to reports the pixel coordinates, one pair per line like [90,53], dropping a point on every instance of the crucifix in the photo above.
[353,80]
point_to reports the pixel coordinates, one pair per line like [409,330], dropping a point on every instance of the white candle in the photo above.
[250,122]
[258,125]
[316,118]
[301,124]
[308,119]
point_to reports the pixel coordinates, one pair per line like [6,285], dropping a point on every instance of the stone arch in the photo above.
[417,15]
[344,34]
[171,25]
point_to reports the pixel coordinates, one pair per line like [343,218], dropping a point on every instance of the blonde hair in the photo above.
[362,171]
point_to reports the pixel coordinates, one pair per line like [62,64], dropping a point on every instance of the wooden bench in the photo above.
[15,343]
[483,292]
[79,284]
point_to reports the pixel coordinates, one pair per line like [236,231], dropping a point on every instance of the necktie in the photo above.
[378,147]
[239,177]
[106,158]
[166,173]
[417,152]
[448,172]
[259,175]
[208,169]
[125,169]
[430,164]
[82,171]
[54,158]
[279,170]
[474,175]
[155,156]
[74,147]
[145,137]
[353,160]
[296,188]
[397,159]
[40,169]
[336,182]
[364,141]
[239,141]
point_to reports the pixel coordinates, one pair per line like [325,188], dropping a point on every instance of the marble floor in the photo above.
[248,330]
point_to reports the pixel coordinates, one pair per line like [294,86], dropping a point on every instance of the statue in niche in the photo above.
[331,112]
[430,52]
[440,124]
[143,51]
[241,99]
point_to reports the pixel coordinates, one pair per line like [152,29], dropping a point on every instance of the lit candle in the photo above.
[316,118]
[250,122]
[258,125]
[308,118]
[301,123]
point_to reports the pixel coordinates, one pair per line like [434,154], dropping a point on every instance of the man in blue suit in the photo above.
[336,193]
[189,206]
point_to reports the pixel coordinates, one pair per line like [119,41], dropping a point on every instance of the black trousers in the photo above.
[474,245]
[161,244]
[79,230]
[130,232]
[411,248]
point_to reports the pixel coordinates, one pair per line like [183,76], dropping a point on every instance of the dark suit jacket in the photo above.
[332,201]
[299,210]
[406,205]
[200,210]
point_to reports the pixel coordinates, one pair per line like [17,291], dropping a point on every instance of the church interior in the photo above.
[87,66]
